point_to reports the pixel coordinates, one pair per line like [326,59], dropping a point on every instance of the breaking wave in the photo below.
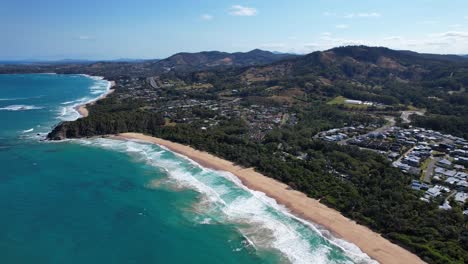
[69,112]
[264,223]
[20,107]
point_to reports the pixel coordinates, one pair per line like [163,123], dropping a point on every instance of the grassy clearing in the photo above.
[168,123]
[339,100]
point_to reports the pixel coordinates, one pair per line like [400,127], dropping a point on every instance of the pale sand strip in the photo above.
[307,208]
[82,108]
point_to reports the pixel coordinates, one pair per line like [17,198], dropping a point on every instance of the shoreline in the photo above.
[311,210]
[83,111]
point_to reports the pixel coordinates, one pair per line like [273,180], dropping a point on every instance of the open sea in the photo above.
[110,201]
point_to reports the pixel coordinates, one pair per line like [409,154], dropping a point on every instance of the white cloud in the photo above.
[238,10]
[451,35]
[206,17]
[443,43]
[448,42]
[342,26]
[84,37]
[363,15]
[437,43]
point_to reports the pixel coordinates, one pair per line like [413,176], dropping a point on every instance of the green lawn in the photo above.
[337,101]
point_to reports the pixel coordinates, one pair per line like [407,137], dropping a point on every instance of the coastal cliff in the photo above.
[59,132]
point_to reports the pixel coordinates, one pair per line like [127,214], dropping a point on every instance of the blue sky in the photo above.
[107,29]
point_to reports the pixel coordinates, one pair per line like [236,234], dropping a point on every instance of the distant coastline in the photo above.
[371,243]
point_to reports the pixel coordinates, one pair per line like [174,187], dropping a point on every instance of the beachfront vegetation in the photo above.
[111,118]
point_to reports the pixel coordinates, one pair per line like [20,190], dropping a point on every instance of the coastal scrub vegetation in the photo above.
[111,118]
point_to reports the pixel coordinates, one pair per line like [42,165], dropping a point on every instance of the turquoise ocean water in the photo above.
[110,201]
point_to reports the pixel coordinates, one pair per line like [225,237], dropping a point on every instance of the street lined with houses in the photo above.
[438,162]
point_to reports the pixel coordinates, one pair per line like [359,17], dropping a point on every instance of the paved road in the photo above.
[404,154]
[153,83]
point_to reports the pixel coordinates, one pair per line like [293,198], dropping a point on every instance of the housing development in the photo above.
[437,161]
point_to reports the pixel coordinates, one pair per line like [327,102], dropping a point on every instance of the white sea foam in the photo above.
[20,107]
[206,221]
[68,102]
[261,220]
[28,130]
[69,111]
[353,251]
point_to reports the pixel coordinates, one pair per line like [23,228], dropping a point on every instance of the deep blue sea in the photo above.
[109,201]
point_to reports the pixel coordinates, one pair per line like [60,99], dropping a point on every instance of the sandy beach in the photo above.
[82,108]
[306,208]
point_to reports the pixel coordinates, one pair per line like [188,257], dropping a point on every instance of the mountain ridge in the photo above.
[185,61]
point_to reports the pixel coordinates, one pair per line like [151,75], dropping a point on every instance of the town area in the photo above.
[438,162]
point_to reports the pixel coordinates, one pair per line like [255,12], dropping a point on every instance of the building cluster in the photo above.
[359,102]
[344,133]
[262,119]
[438,161]
[411,161]
[178,105]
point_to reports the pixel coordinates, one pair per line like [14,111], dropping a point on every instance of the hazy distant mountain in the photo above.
[66,61]
[209,59]
[444,57]
[130,60]
[357,63]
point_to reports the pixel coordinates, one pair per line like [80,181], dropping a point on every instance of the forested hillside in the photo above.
[402,79]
